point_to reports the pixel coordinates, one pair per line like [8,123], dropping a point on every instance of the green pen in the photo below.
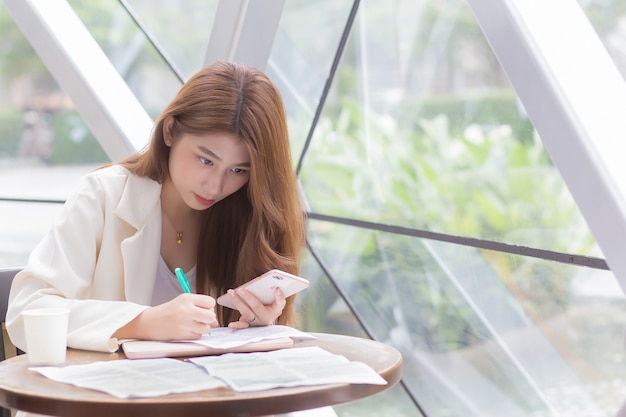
[183,280]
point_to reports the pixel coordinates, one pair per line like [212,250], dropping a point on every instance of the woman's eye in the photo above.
[239,171]
[205,161]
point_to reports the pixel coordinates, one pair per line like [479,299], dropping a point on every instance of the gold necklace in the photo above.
[179,234]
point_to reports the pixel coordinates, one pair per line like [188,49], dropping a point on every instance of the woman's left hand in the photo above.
[253,312]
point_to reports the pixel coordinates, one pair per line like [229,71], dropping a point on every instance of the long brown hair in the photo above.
[261,226]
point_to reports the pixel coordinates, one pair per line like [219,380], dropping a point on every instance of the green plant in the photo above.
[481,181]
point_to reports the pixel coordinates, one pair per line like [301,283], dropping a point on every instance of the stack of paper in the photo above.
[241,372]
[221,340]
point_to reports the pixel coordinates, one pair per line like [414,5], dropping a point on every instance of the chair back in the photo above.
[6,278]
[6,347]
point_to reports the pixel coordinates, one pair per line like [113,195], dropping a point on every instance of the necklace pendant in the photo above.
[179,238]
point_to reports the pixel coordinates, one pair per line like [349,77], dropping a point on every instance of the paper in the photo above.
[241,372]
[286,368]
[224,337]
[135,378]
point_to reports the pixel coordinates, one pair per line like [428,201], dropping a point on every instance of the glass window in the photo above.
[181,29]
[307,40]
[422,129]
[138,61]
[44,146]
[608,18]
[322,308]
[481,332]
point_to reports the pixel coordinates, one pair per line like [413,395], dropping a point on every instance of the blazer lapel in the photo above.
[140,207]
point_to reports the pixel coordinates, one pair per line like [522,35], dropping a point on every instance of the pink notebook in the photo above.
[144,349]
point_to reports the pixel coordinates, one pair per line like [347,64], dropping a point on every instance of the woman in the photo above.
[214,193]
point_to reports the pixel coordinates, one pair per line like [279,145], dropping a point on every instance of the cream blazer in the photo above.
[99,259]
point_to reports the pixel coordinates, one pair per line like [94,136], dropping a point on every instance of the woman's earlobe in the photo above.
[168,125]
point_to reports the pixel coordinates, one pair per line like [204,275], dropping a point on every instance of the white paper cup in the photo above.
[46,335]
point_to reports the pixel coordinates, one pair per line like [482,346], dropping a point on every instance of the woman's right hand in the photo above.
[188,316]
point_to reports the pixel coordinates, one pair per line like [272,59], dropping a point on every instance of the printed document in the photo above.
[243,372]
[224,337]
[127,378]
[286,368]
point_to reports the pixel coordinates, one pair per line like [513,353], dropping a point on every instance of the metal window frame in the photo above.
[575,97]
[244,31]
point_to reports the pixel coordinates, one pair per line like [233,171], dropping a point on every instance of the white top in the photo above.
[166,285]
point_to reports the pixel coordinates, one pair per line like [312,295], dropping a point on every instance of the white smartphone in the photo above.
[263,287]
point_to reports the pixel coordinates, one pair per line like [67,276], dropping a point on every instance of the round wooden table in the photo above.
[26,390]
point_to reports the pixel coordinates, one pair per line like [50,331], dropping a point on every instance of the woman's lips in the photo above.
[203,200]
